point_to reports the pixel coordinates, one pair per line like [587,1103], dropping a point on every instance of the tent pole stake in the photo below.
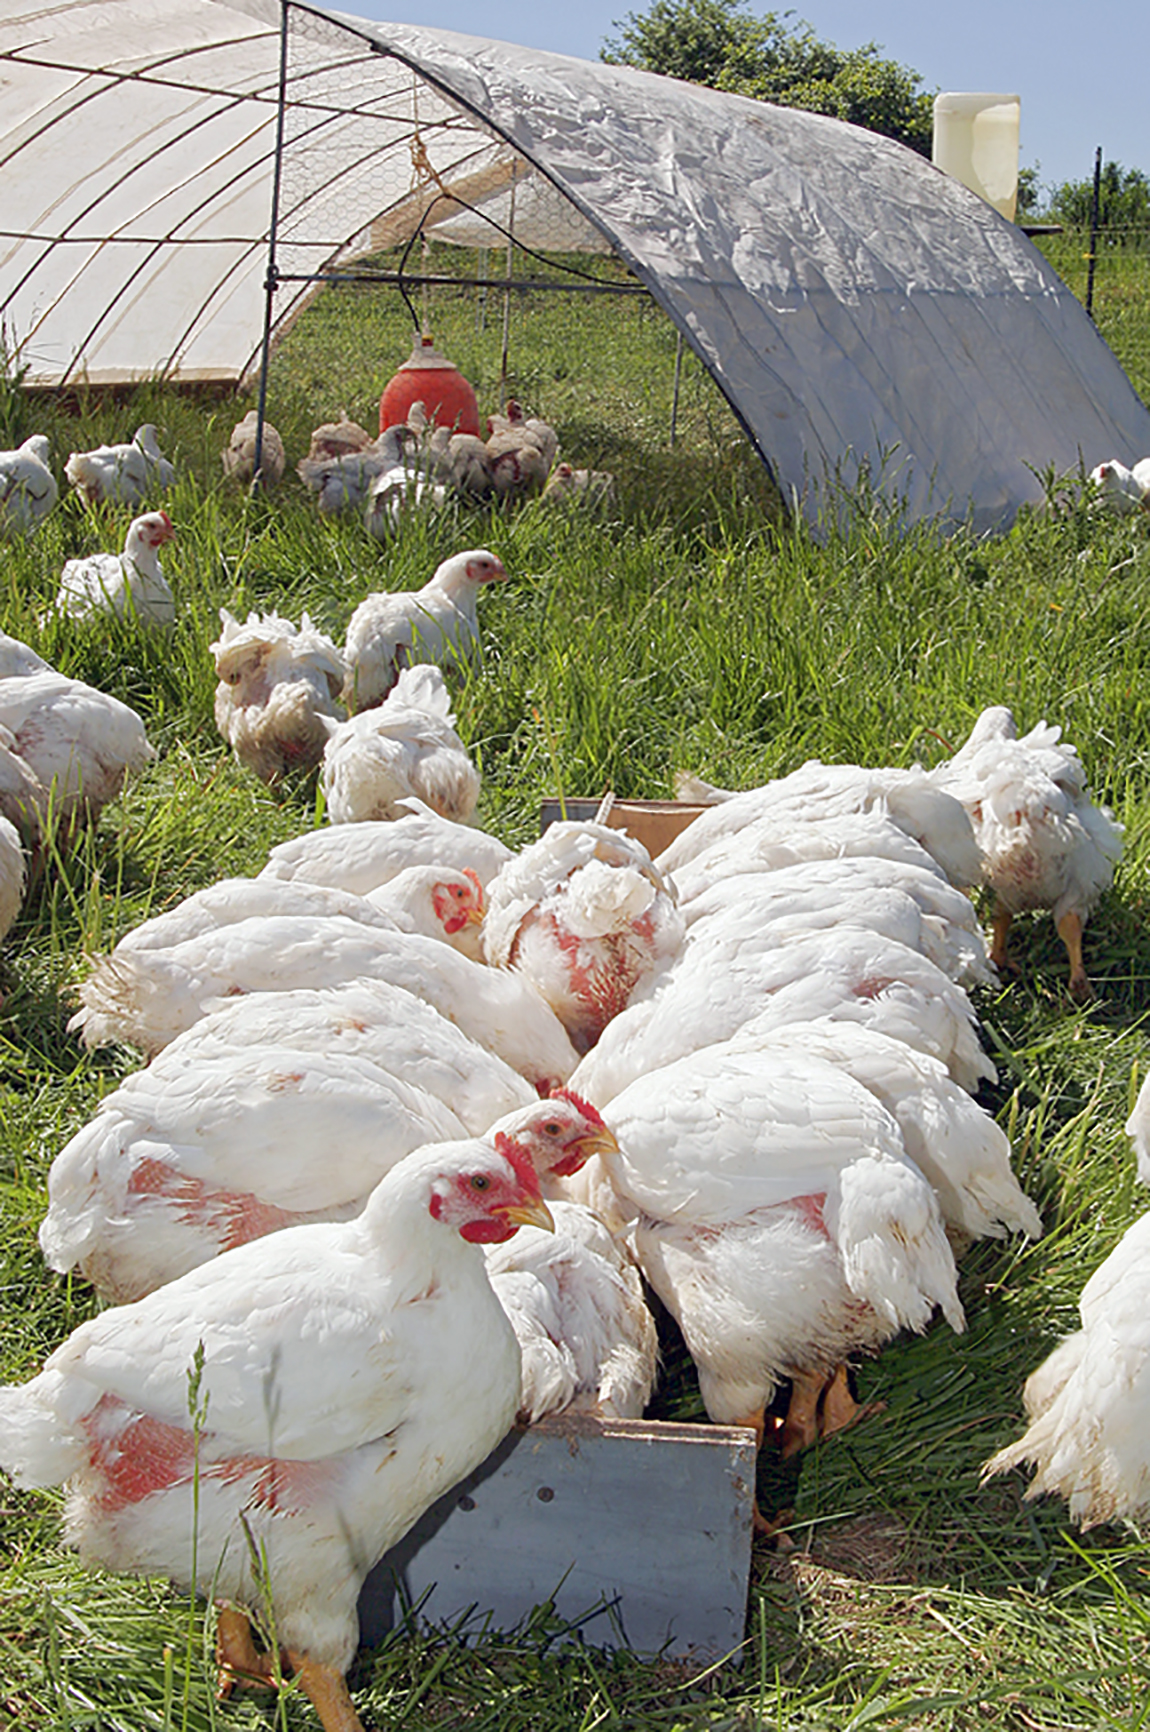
[271,280]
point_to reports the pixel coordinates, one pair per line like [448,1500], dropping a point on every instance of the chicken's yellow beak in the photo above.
[600,1142]
[535,1214]
[475,917]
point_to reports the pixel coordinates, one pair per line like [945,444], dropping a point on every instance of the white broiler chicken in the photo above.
[81,744]
[19,659]
[130,585]
[185,1161]
[345,481]
[368,1019]
[13,875]
[342,438]
[438,903]
[28,489]
[278,690]
[1044,842]
[145,998]
[778,1217]
[584,915]
[121,474]
[394,492]
[521,450]
[574,1297]
[239,454]
[346,1375]
[1120,489]
[905,902]
[909,798]
[846,973]
[23,798]
[406,747]
[438,623]
[953,1141]
[1088,1404]
[1138,1130]
[362,856]
[769,844]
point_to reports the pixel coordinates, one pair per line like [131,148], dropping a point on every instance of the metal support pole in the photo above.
[1092,255]
[675,390]
[507,294]
[271,279]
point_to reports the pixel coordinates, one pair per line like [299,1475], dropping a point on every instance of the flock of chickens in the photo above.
[421,1121]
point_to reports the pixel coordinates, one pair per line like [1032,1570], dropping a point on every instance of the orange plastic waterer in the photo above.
[430,378]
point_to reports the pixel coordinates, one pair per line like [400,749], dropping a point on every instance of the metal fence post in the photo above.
[1092,255]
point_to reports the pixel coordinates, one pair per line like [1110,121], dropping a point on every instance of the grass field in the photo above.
[696,630]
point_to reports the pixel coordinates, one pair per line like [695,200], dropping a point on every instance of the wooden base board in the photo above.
[633,1534]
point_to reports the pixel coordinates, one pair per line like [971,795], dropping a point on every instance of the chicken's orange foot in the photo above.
[801,1426]
[1000,926]
[238,1658]
[328,1693]
[771,1530]
[839,1407]
[1070,932]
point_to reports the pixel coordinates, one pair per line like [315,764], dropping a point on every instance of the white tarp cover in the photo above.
[854,304]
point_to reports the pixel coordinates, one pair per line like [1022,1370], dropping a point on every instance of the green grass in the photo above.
[697,630]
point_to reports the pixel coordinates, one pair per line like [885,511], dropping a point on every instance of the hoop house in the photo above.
[850,300]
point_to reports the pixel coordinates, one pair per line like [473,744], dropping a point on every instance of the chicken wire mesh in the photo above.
[1120,297]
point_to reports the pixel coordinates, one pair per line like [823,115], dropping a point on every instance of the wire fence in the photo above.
[1119,296]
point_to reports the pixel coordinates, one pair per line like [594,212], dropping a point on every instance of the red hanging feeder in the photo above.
[429,378]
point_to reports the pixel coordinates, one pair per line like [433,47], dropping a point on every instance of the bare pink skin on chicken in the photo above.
[236,1216]
[602,973]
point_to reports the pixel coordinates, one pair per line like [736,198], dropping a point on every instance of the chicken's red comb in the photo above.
[520,1160]
[472,874]
[580,1105]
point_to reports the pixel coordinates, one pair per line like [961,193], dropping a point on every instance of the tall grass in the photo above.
[695,629]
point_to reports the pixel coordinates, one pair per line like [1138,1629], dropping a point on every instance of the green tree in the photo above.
[1123,199]
[721,43]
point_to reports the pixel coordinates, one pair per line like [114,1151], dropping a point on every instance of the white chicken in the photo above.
[277,692]
[23,798]
[574,1297]
[1138,1130]
[369,1019]
[185,1161]
[917,907]
[1120,490]
[362,856]
[81,744]
[396,491]
[340,438]
[146,997]
[1044,842]
[909,798]
[584,915]
[953,1141]
[1088,1404]
[846,973]
[28,489]
[770,843]
[438,623]
[130,585]
[438,903]
[19,659]
[521,450]
[13,875]
[778,1217]
[343,1377]
[121,474]
[239,454]
[408,746]
[344,481]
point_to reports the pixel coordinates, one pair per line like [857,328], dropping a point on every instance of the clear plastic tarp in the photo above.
[856,306]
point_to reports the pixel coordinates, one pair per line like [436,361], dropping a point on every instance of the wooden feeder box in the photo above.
[632,1533]
[654,823]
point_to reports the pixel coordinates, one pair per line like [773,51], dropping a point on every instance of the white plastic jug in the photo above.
[976,141]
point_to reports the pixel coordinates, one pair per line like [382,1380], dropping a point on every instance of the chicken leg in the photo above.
[237,1656]
[819,1407]
[1000,927]
[1070,932]
[328,1693]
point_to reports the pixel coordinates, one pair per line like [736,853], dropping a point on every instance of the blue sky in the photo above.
[1080,73]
